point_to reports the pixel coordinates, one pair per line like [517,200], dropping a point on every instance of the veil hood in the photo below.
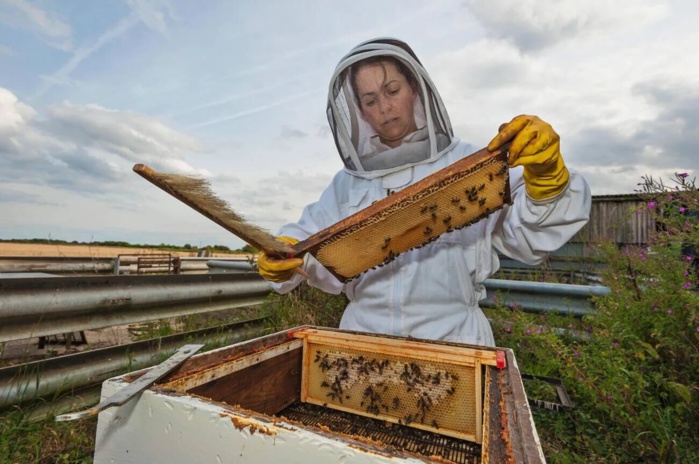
[357,143]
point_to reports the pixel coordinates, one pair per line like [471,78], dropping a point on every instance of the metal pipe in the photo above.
[63,374]
[48,306]
[542,297]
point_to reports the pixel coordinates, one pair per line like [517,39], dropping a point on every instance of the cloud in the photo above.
[153,13]
[148,13]
[85,148]
[291,133]
[532,25]
[8,195]
[6,51]
[132,136]
[257,109]
[49,26]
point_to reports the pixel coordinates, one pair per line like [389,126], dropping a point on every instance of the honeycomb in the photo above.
[455,199]
[425,394]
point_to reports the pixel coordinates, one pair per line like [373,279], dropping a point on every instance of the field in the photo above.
[85,251]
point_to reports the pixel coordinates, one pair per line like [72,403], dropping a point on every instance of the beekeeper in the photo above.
[392,130]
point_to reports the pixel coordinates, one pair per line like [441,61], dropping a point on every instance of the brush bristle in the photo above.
[198,192]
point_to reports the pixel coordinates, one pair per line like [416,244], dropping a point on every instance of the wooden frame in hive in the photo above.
[433,387]
[449,199]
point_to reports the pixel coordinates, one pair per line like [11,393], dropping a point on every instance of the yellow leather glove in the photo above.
[278,270]
[536,146]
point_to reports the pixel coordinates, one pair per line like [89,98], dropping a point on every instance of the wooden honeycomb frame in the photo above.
[433,387]
[449,199]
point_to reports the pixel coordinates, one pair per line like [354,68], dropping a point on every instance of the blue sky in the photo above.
[236,92]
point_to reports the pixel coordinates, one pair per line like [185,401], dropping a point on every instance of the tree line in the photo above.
[115,243]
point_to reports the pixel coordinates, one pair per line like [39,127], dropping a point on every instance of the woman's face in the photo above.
[386,100]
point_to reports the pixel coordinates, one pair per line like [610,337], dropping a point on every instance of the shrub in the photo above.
[632,367]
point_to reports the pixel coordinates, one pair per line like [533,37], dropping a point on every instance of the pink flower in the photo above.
[686,273]
[682,175]
[670,198]
[651,204]
[581,378]
[528,332]
[576,353]
[682,209]
[688,258]
[538,331]
[669,311]
[687,284]
[508,329]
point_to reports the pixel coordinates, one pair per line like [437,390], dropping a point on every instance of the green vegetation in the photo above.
[23,441]
[631,368]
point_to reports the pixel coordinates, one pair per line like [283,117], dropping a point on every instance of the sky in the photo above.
[235,92]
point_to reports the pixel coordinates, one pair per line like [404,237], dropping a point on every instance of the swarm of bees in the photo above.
[423,387]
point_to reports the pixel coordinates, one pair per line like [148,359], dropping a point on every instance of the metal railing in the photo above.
[33,307]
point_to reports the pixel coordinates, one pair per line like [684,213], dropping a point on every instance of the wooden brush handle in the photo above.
[246,232]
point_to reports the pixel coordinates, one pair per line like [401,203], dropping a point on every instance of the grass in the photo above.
[24,441]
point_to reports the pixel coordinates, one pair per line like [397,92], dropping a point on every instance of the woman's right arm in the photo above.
[328,210]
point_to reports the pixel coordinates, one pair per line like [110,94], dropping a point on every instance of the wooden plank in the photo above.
[460,355]
[266,387]
[304,373]
[479,402]
[183,384]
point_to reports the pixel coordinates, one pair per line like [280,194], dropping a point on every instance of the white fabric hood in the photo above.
[358,144]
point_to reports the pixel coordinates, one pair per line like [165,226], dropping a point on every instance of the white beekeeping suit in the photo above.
[430,292]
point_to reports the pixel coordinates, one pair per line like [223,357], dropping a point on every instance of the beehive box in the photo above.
[320,395]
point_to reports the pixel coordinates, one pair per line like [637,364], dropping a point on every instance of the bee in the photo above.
[424,209]
[456,201]
[434,423]
[434,215]
[490,176]
[502,194]
[481,202]
[447,220]
[451,390]
[428,230]
[462,208]
[502,170]
[433,207]
[396,402]
[324,384]
[481,187]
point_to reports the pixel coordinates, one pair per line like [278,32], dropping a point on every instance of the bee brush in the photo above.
[196,193]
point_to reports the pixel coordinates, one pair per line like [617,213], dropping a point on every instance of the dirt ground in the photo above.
[84,251]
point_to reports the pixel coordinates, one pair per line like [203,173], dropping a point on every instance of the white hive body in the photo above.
[312,395]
